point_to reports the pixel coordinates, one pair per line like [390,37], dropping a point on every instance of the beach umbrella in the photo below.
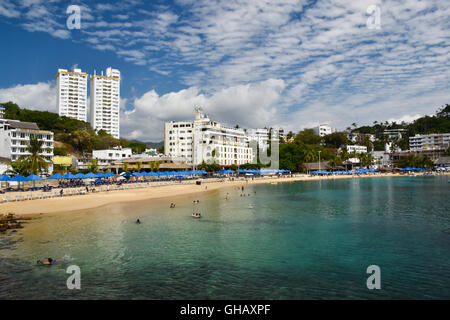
[55,176]
[79,176]
[89,175]
[18,178]
[33,177]
[68,176]
[100,175]
[137,174]
[109,175]
[4,177]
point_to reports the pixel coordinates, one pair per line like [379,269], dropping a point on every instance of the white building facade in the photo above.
[260,136]
[105,157]
[105,102]
[356,149]
[421,142]
[207,140]
[15,137]
[71,98]
[324,129]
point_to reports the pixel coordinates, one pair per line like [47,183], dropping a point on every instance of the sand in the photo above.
[145,192]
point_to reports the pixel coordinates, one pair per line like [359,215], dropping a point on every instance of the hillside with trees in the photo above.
[71,136]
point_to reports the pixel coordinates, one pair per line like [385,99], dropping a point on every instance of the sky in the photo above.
[255,63]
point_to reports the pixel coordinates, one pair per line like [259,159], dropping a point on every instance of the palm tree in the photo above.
[35,163]
[138,166]
[125,166]
[309,155]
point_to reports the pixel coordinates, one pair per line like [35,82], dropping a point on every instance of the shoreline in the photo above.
[149,191]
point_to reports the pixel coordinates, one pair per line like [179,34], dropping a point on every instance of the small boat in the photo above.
[196,215]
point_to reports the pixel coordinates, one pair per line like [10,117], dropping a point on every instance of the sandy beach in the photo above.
[145,191]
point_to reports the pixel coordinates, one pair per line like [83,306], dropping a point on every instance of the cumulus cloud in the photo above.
[246,105]
[40,96]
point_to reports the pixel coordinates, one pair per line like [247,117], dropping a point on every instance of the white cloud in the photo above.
[40,96]
[246,105]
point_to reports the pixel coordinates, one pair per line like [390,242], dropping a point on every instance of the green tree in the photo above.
[93,166]
[307,136]
[335,140]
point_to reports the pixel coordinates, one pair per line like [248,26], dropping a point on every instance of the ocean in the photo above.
[299,240]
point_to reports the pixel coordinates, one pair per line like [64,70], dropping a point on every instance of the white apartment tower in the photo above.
[105,102]
[71,99]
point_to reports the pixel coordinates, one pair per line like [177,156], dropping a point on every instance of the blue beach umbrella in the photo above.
[4,177]
[79,176]
[33,177]
[100,175]
[55,176]
[89,175]
[109,175]
[18,178]
[68,176]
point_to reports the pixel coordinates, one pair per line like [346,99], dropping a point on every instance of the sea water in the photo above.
[300,240]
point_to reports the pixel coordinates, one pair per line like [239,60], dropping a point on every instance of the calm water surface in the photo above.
[302,240]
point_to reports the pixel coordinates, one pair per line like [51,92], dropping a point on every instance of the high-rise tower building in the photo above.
[71,99]
[105,102]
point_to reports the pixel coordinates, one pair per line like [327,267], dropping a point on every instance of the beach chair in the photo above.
[30,197]
[5,198]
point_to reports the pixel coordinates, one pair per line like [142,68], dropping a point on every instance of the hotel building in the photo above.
[437,141]
[15,137]
[105,102]
[71,99]
[206,140]
[105,157]
[324,129]
[261,136]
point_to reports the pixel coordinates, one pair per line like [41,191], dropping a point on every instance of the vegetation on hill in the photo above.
[75,136]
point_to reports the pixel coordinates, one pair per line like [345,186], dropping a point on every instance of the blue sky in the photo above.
[291,63]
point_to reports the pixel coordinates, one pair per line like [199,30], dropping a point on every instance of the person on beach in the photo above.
[61,192]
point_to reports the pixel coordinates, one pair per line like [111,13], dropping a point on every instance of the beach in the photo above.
[145,191]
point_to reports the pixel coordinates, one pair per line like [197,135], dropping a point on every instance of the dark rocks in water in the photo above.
[10,222]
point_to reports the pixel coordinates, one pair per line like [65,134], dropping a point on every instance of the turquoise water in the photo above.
[302,240]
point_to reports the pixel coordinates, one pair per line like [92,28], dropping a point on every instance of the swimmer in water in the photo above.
[138,221]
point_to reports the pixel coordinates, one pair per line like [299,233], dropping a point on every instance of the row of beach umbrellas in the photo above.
[90,175]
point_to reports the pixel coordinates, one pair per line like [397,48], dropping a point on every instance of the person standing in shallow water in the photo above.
[227,196]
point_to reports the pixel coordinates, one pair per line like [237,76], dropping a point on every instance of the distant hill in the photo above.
[155,145]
